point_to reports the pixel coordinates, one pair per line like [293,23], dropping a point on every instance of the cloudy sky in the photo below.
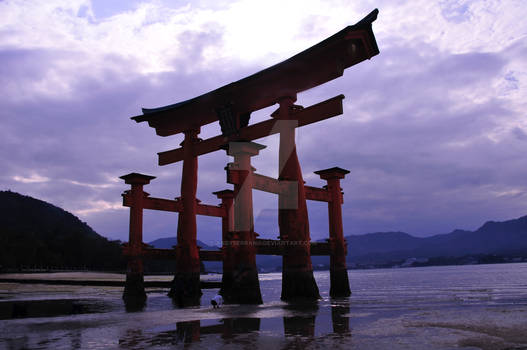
[434,129]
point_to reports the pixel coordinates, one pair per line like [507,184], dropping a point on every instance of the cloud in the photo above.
[33,178]
[433,129]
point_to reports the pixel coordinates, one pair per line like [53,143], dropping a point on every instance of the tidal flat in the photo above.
[461,307]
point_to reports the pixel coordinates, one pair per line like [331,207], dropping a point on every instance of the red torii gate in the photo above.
[232,105]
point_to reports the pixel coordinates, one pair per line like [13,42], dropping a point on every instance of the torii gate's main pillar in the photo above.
[338,272]
[186,288]
[245,288]
[297,274]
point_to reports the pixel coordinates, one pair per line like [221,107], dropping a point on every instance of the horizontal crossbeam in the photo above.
[317,194]
[170,254]
[174,206]
[278,247]
[323,110]
[271,185]
[267,184]
[211,210]
[263,247]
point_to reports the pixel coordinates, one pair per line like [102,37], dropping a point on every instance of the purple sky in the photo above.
[434,129]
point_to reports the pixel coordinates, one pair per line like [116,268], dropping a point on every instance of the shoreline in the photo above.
[101,283]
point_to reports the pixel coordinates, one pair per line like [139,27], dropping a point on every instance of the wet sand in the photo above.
[438,308]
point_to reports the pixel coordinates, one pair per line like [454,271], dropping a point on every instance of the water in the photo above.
[467,307]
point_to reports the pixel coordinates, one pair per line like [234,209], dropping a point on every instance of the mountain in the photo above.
[169,242]
[508,238]
[382,242]
[170,265]
[264,262]
[37,234]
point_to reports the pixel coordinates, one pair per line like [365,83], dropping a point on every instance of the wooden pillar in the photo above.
[227,228]
[134,290]
[297,273]
[245,285]
[338,271]
[186,290]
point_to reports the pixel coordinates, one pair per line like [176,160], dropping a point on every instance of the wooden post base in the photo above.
[298,284]
[339,283]
[227,279]
[245,286]
[185,290]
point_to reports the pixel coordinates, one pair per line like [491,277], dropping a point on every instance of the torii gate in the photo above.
[232,105]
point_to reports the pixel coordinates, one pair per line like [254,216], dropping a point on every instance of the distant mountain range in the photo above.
[507,238]
[34,233]
[169,242]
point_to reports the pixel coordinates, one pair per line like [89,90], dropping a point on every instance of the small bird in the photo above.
[216,301]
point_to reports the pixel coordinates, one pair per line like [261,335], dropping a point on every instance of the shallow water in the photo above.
[467,307]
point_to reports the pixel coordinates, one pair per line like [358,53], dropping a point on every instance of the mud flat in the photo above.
[466,307]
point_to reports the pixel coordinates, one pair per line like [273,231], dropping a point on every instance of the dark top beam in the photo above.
[317,65]
[312,114]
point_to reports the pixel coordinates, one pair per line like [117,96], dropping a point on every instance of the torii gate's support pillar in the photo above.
[338,272]
[297,274]
[227,227]
[134,289]
[186,288]
[245,285]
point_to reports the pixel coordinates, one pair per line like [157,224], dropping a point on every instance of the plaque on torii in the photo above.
[232,105]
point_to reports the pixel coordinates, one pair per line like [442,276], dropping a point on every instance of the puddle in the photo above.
[14,309]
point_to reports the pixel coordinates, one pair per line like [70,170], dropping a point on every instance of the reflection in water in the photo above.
[50,308]
[188,332]
[76,339]
[299,328]
[132,339]
[385,304]
[340,310]
[303,323]
[233,326]
[18,343]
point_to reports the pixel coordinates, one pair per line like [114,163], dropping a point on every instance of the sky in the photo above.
[434,129]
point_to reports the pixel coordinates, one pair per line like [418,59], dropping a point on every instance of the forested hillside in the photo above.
[37,234]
